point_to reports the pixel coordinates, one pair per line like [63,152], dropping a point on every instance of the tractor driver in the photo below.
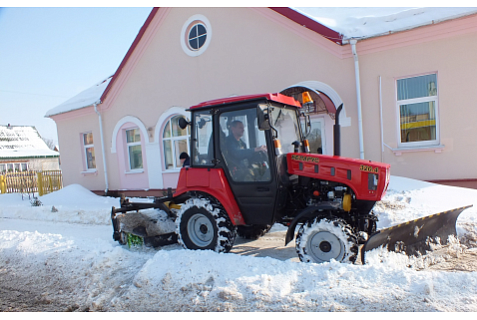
[239,155]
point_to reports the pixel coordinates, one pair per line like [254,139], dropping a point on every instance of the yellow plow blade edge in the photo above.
[412,236]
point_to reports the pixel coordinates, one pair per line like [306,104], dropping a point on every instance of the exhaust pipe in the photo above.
[337,133]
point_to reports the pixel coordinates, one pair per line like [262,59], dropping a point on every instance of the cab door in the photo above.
[244,153]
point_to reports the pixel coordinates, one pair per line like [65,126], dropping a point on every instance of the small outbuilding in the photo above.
[23,149]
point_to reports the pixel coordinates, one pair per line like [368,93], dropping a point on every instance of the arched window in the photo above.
[176,141]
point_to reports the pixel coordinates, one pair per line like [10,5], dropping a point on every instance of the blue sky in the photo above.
[48,55]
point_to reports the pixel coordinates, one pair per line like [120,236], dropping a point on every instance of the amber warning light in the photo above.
[306,98]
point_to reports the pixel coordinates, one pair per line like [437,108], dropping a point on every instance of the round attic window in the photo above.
[195,36]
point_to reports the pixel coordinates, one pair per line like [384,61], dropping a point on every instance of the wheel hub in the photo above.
[200,230]
[324,246]
[203,228]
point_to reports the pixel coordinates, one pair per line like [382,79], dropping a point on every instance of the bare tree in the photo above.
[50,143]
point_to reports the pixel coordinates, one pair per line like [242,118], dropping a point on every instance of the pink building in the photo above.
[405,78]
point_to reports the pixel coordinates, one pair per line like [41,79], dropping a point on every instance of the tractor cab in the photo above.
[248,138]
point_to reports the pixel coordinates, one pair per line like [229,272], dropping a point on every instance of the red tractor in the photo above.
[251,167]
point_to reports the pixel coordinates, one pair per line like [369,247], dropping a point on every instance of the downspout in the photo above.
[381,118]
[358,97]
[102,146]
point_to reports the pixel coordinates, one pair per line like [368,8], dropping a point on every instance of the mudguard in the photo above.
[412,236]
[307,213]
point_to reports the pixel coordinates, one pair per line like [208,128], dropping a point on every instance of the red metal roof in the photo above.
[309,24]
[269,96]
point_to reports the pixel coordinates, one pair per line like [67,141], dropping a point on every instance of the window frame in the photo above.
[85,153]
[196,38]
[132,144]
[399,103]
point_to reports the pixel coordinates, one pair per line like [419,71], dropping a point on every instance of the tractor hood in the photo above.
[369,180]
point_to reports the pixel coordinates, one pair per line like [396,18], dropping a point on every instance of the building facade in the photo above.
[407,96]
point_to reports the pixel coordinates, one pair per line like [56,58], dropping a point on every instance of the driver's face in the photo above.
[238,130]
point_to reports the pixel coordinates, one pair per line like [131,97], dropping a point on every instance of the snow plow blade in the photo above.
[414,236]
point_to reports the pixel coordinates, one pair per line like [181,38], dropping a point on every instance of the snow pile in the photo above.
[73,203]
[365,22]
[79,267]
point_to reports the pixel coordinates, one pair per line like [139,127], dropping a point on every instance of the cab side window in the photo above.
[203,141]
[243,146]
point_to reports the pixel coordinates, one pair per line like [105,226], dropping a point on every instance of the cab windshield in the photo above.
[284,120]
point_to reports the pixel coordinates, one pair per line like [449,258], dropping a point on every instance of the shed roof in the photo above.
[23,142]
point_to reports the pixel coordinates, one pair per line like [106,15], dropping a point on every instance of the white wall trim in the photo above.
[184,35]
[122,122]
[154,150]
[331,93]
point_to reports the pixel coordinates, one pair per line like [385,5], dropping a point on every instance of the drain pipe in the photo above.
[381,118]
[358,97]
[102,146]
[337,133]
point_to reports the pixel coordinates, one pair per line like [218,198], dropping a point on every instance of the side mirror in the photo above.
[263,117]
[306,123]
[183,123]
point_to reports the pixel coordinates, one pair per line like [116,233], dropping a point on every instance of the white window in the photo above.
[418,111]
[133,141]
[195,35]
[89,151]
[176,141]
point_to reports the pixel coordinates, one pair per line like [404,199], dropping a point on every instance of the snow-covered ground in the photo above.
[64,258]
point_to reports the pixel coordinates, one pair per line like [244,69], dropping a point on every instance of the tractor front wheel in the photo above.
[322,240]
[204,225]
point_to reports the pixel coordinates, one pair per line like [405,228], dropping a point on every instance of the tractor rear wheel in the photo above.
[322,240]
[204,225]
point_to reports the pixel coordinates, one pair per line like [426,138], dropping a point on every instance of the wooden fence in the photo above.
[42,182]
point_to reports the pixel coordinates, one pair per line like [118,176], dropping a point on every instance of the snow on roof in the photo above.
[366,22]
[82,100]
[23,142]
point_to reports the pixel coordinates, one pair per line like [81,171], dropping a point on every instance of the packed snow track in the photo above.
[66,260]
